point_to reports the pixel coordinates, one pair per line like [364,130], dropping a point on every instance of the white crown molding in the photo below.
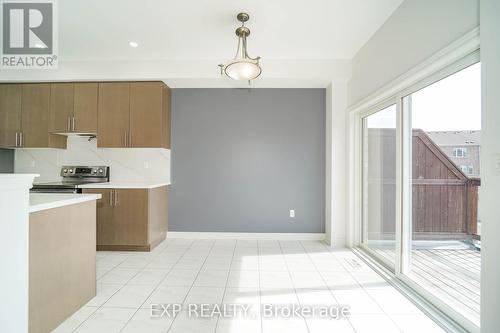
[460,48]
[246,235]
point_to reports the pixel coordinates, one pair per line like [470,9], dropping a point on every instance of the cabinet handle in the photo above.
[73,123]
[126,138]
[68,126]
[111,197]
[20,139]
[16,138]
[116,198]
[130,138]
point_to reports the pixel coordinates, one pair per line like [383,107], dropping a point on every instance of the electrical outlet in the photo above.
[146,165]
[292,212]
[33,163]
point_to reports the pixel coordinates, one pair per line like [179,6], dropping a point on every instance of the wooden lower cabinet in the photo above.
[131,219]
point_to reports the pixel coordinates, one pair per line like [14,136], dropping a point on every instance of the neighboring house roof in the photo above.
[456,138]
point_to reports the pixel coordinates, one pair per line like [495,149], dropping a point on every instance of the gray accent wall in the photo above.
[242,158]
[6,161]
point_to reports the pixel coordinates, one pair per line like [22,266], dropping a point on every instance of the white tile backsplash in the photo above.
[127,165]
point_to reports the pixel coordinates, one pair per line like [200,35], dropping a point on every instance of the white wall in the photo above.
[490,164]
[336,164]
[415,31]
[126,165]
[14,239]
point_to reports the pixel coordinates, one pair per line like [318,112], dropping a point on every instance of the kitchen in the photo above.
[165,155]
[128,213]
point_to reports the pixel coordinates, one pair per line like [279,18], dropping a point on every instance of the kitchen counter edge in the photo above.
[44,201]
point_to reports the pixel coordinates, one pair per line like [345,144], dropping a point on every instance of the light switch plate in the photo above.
[292,212]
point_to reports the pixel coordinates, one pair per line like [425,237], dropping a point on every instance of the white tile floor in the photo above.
[247,272]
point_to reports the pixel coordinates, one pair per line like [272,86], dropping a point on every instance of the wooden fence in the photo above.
[444,199]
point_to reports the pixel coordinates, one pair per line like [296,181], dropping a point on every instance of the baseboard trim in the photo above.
[246,235]
[140,248]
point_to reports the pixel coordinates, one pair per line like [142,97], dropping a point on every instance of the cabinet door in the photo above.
[104,217]
[113,115]
[10,115]
[131,214]
[61,107]
[85,108]
[167,117]
[35,115]
[146,110]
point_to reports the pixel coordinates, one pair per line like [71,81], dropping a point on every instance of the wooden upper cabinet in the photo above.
[35,115]
[113,115]
[134,115]
[10,115]
[122,114]
[73,108]
[166,117]
[146,111]
[85,107]
[61,107]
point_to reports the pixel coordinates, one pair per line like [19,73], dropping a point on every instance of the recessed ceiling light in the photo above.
[133,44]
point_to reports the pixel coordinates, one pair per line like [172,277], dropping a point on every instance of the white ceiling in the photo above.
[204,29]
[303,43]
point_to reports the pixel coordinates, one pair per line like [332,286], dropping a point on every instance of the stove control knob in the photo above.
[70,170]
[94,171]
[65,170]
[101,170]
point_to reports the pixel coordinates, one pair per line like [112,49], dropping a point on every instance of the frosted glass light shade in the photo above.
[243,69]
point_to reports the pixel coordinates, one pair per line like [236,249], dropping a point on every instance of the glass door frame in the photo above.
[393,267]
[403,235]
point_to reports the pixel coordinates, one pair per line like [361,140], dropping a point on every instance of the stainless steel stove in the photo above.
[73,177]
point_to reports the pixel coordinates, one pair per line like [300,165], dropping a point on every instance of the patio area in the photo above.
[450,270]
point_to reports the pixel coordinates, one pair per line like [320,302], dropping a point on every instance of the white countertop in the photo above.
[145,185]
[43,201]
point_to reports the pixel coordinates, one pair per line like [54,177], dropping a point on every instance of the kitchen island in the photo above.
[62,248]
[48,263]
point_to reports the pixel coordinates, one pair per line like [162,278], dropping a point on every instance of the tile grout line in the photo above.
[227,279]
[293,284]
[326,284]
[194,280]
[156,287]
[100,306]
[260,290]
[373,299]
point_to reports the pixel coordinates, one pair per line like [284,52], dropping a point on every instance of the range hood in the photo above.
[91,135]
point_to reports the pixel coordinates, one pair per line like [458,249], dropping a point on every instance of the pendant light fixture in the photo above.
[242,67]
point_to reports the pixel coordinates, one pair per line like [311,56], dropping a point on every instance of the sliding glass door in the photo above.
[443,189]
[379,184]
[420,177]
